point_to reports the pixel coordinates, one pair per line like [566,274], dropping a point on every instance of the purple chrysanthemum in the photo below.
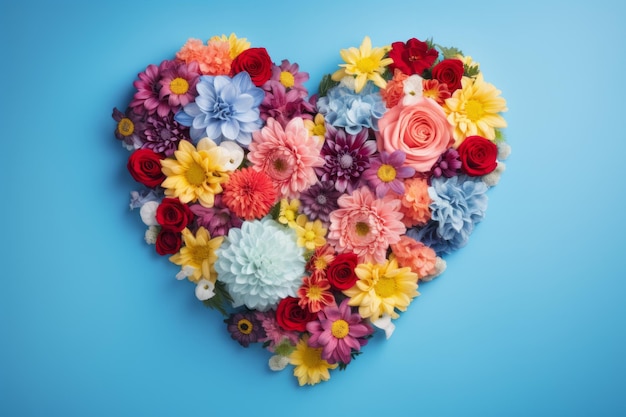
[129,127]
[339,332]
[346,157]
[146,99]
[319,200]
[245,328]
[386,172]
[162,134]
[448,165]
[284,105]
[218,220]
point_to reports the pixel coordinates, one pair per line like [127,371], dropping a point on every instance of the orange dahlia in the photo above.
[249,194]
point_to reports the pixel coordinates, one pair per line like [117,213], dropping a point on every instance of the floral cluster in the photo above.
[309,221]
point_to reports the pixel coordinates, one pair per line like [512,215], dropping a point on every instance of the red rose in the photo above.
[145,167]
[340,272]
[173,215]
[478,156]
[168,242]
[413,57]
[449,71]
[256,62]
[291,317]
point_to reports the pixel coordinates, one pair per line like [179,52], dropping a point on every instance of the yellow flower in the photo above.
[474,109]
[366,63]
[195,174]
[316,127]
[237,45]
[288,211]
[309,367]
[198,253]
[382,288]
[310,234]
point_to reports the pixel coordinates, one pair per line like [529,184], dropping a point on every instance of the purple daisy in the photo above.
[218,220]
[289,76]
[129,128]
[178,86]
[448,165]
[346,158]
[386,172]
[146,99]
[162,134]
[284,105]
[339,332]
[245,328]
[319,200]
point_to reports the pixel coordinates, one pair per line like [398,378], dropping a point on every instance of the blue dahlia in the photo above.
[225,108]
[342,107]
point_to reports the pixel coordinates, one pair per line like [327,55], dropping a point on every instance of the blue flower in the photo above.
[458,204]
[342,107]
[260,263]
[225,108]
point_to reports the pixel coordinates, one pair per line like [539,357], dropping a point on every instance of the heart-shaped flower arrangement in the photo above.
[309,221]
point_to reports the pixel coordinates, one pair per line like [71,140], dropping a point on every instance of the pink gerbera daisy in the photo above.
[178,85]
[289,156]
[366,225]
[290,77]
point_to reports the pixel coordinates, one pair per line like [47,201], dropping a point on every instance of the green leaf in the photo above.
[221,300]
[499,136]
[326,84]
[449,52]
[472,71]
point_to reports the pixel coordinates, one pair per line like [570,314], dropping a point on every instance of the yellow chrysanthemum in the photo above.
[316,127]
[309,367]
[237,45]
[288,211]
[195,174]
[365,63]
[382,288]
[474,109]
[198,252]
[310,234]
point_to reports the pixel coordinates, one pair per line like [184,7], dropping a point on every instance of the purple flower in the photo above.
[339,332]
[162,134]
[284,105]
[245,328]
[128,128]
[218,220]
[178,86]
[319,200]
[147,98]
[289,76]
[346,158]
[387,173]
[448,165]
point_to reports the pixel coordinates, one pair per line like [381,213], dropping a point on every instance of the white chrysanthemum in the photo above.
[148,213]
[260,264]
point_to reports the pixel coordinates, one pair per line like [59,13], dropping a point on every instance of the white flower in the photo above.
[151,235]
[185,271]
[205,290]
[384,323]
[148,213]
[348,82]
[493,177]
[413,89]
[504,150]
[235,154]
[278,362]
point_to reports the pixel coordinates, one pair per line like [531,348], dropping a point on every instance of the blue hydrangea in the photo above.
[342,107]
[458,204]
[225,108]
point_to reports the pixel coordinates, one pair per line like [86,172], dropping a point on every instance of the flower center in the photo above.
[312,357]
[362,229]
[386,173]
[319,130]
[314,293]
[340,328]
[474,110]
[287,79]
[126,126]
[309,235]
[345,161]
[195,174]
[321,199]
[290,215]
[179,86]
[385,287]
[199,253]
[280,165]
[320,264]
[366,65]
[244,326]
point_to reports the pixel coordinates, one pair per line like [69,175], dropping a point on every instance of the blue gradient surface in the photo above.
[528,319]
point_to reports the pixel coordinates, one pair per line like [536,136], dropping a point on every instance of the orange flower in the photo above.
[417,256]
[213,58]
[393,93]
[415,202]
[314,293]
[249,194]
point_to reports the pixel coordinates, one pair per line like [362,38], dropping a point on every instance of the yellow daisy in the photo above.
[309,366]
[316,127]
[310,234]
[195,174]
[198,252]
[237,45]
[474,109]
[288,211]
[382,288]
[366,63]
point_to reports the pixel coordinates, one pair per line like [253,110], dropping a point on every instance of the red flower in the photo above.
[413,57]
[249,194]
[145,167]
[173,215]
[256,62]
[449,71]
[340,272]
[478,156]
[291,317]
[168,242]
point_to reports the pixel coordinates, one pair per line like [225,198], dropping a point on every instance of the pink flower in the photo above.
[415,202]
[289,156]
[419,257]
[420,129]
[365,225]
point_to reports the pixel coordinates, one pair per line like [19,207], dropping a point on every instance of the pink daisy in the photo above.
[365,225]
[289,75]
[289,156]
[146,98]
[178,85]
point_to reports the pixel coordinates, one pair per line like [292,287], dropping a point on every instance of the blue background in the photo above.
[528,319]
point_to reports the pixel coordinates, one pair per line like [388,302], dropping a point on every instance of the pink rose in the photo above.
[419,129]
